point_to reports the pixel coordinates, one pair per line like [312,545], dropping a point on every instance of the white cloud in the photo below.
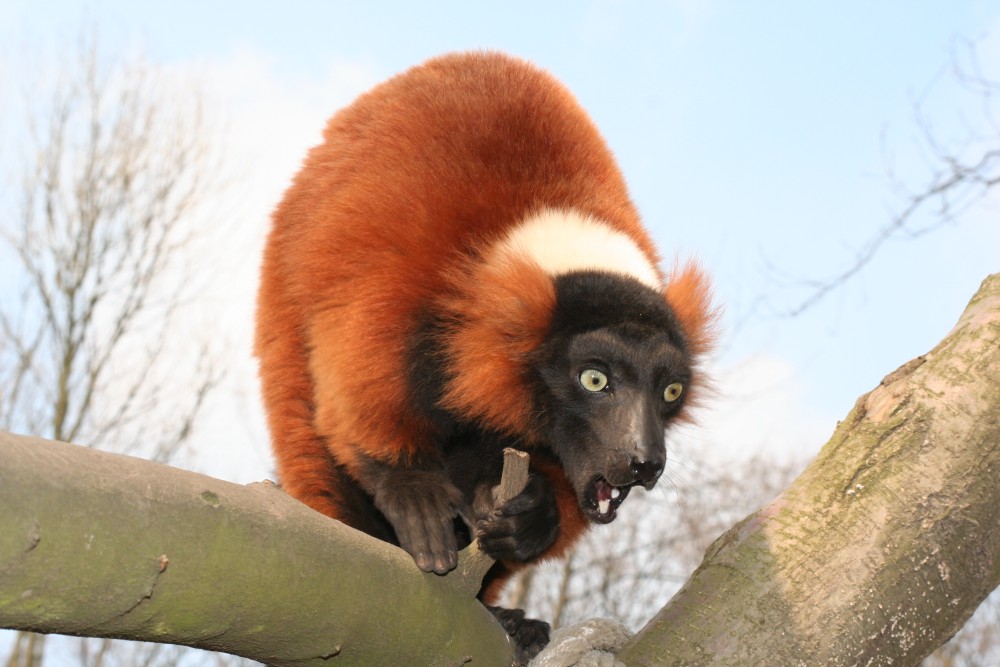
[759,408]
[275,119]
[271,122]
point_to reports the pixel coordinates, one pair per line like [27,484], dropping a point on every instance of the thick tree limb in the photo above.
[875,555]
[882,548]
[102,545]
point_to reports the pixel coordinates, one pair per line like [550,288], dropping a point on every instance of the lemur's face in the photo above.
[611,393]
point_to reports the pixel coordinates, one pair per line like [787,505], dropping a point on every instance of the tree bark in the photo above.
[882,548]
[104,545]
[877,554]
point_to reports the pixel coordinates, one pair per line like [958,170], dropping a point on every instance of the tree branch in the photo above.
[882,548]
[104,545]
[473,564]
[877,553]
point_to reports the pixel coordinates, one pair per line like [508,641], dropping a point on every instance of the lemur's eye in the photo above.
[593,380]
[673,392]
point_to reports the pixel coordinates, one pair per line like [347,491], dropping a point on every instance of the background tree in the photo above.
[702,492]
[117,165]
[875,554]
[629,569]
[962,171]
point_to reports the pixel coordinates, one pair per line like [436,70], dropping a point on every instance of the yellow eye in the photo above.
[593,380]
[673,392]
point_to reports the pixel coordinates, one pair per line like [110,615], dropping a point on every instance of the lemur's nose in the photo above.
[648,471]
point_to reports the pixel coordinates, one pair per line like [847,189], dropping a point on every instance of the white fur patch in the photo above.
[564,241]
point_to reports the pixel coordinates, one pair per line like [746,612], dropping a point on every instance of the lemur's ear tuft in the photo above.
[689,293]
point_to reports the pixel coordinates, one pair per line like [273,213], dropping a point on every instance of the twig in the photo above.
[473,564]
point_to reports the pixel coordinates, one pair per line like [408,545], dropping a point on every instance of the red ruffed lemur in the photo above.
[455,269]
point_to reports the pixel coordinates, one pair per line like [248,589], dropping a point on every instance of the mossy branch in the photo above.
[879,551]
[103,545]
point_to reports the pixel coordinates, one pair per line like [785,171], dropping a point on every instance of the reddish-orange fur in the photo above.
[506,307]
[689,294]
[394,214]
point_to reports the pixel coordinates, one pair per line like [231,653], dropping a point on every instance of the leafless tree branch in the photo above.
[116,167]
[960,177]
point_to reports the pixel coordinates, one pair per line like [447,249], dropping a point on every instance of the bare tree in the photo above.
[628,570]
[961,173]
[875,554]
[116,163]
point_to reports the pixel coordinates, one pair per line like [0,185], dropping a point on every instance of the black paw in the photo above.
[421,505]
[529,635]
[524,526]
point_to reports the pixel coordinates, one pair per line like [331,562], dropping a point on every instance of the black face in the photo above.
[611,391]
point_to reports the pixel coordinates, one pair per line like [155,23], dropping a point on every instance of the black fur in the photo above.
[628,332]
[522,528]
[613,437]
[530,635]
[588,300]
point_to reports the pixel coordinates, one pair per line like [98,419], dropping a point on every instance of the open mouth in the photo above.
[601,499]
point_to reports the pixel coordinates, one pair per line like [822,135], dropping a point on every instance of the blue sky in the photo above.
[756,136]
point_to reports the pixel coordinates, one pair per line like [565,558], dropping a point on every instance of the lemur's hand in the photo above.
[421,505]
[522,527]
